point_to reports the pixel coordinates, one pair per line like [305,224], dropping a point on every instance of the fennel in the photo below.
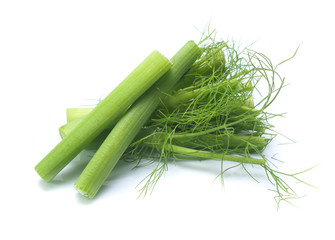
[219,110]
[106,112]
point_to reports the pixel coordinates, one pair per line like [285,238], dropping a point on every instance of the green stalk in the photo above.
[214,141]
[210,155]
[68,127]
[77,115]
[109,153]
[125,94]
[214,61]
[74,113]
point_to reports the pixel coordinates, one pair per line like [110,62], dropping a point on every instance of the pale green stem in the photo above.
[214,156]
[75,113]
[204,67]
[109,109]
[131,123]
[221,141]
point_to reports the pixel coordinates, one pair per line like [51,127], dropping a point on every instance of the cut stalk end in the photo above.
[84,192]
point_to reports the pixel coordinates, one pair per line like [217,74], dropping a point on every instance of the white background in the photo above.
[58,54]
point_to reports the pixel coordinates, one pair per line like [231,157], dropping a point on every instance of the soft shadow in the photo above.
[122,168]
[76,167]
[47,186]
[115,183]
